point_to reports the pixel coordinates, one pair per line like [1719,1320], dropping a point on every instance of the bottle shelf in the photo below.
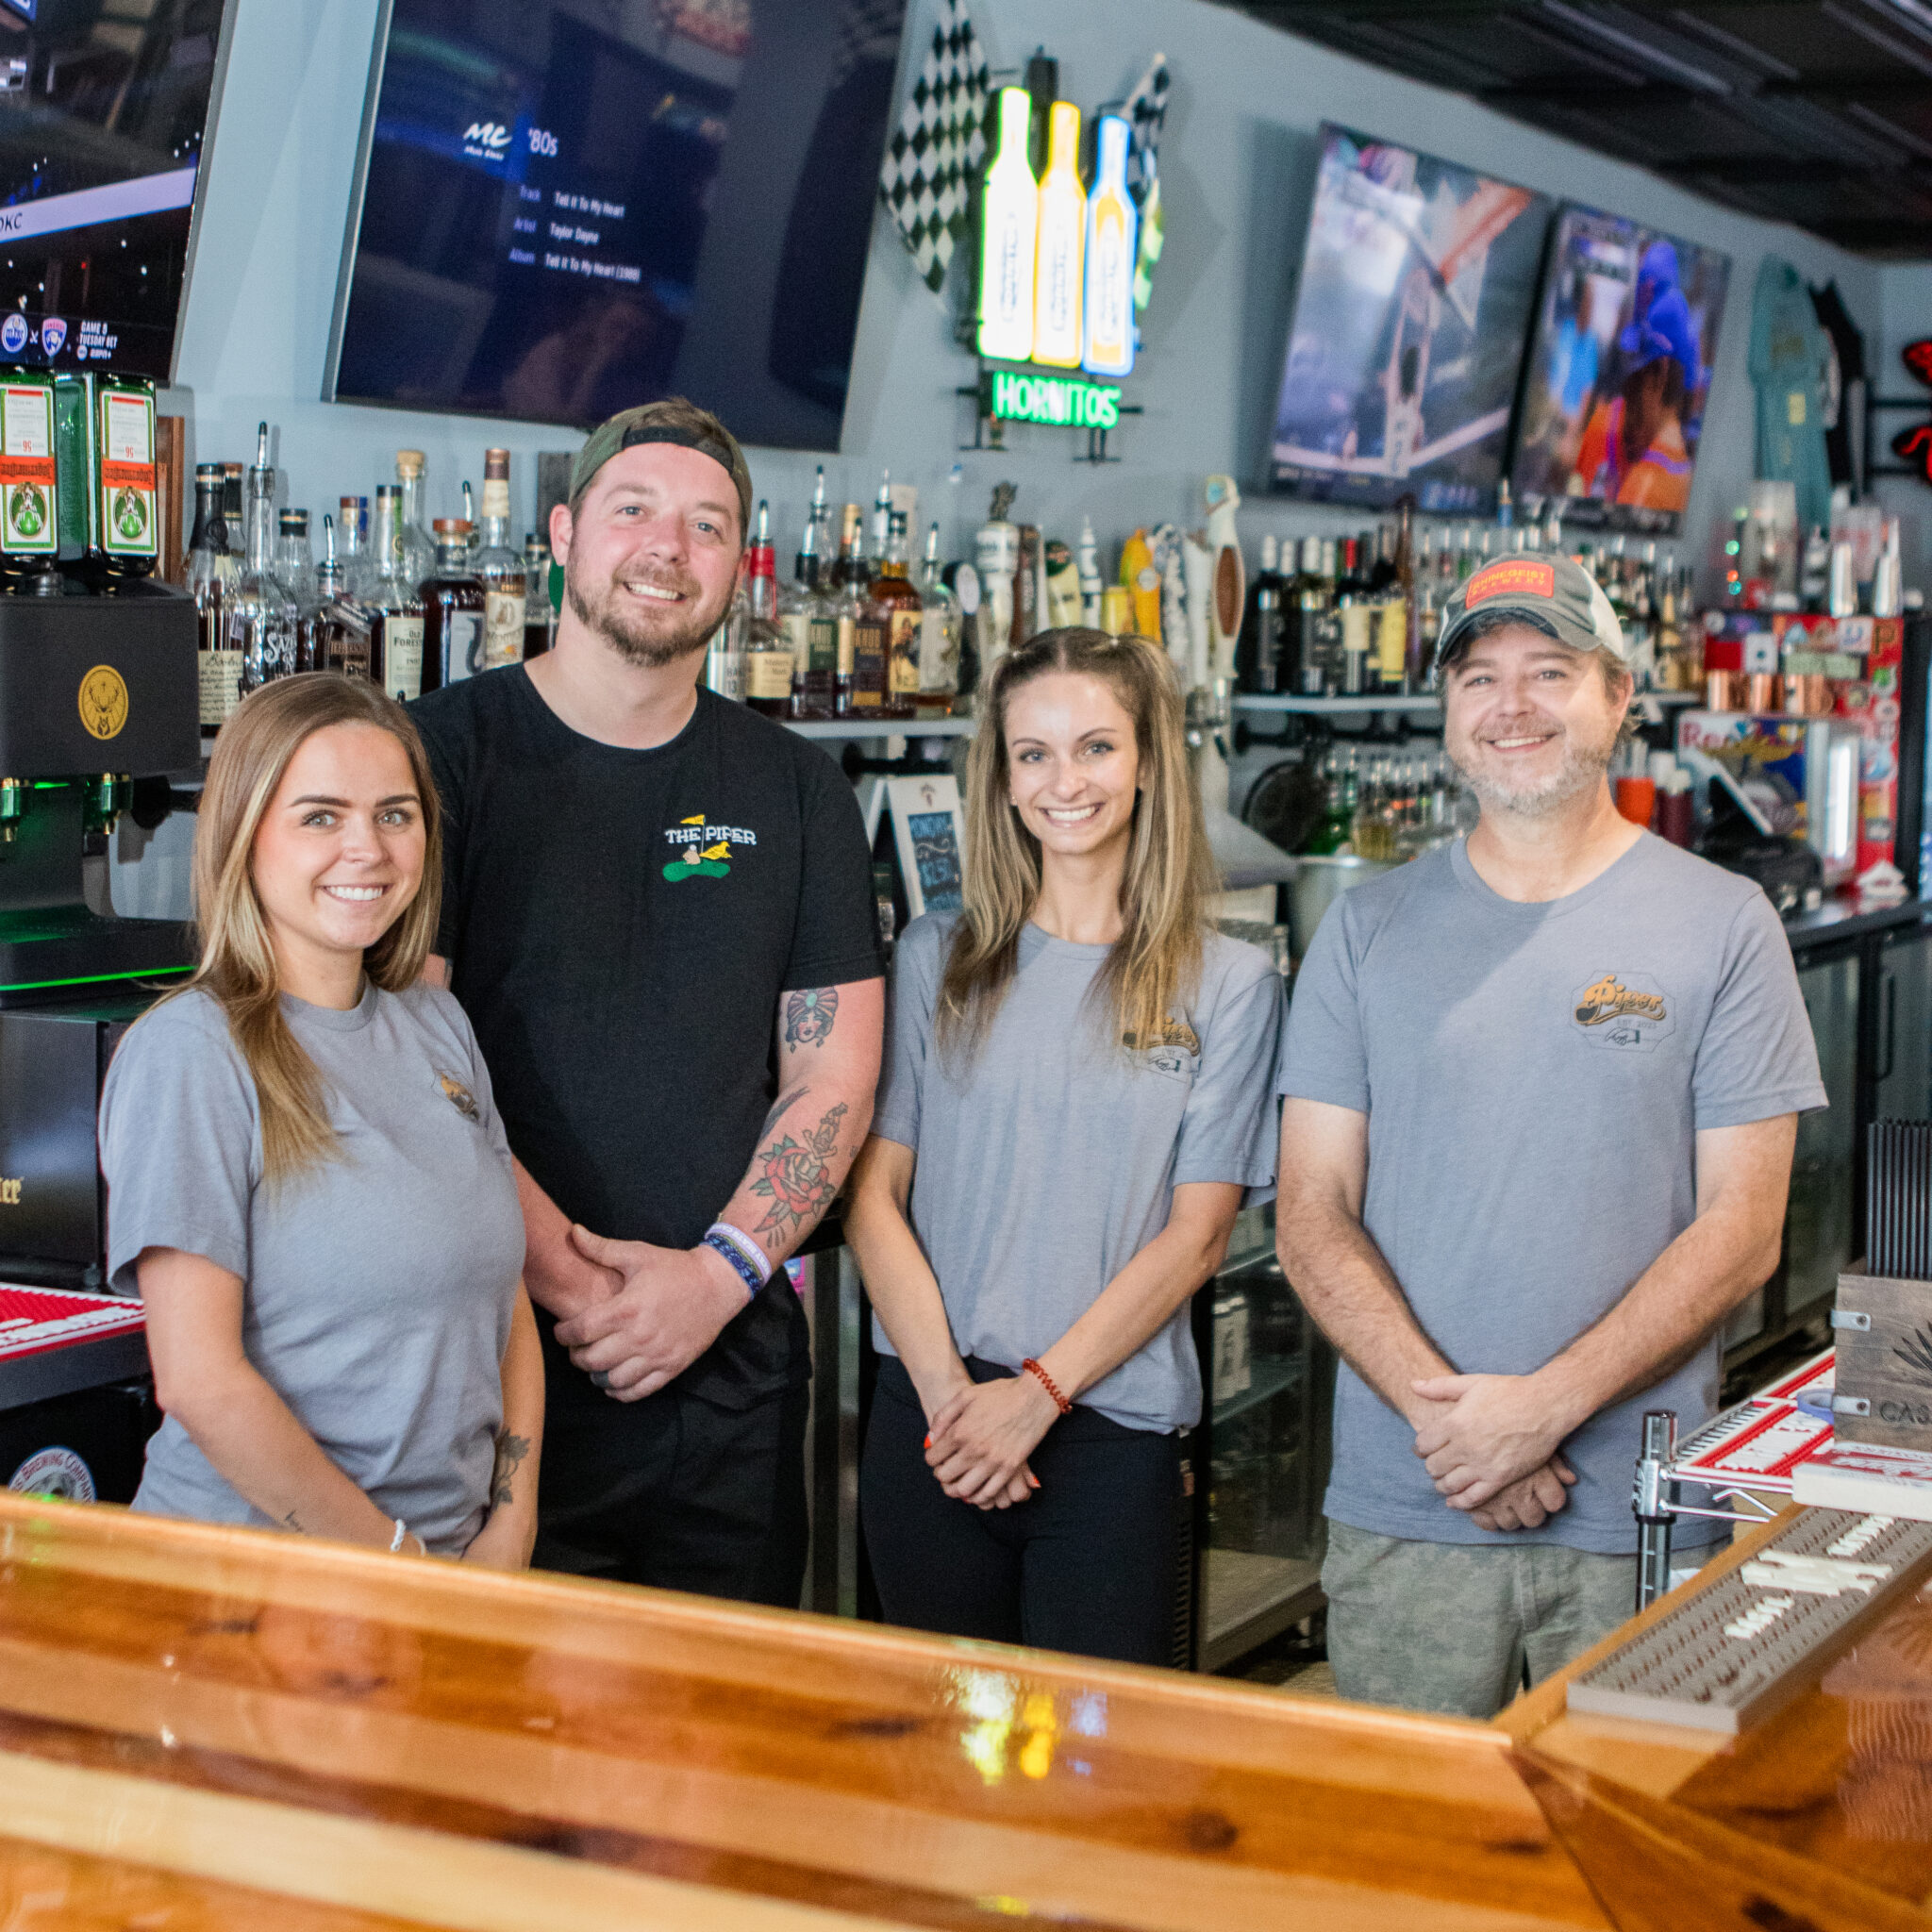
[1245,701]
[885,727]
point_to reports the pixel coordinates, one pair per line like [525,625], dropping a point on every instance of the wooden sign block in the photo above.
[1887,1362]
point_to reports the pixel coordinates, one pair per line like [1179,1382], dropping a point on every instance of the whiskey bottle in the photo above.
[499,568]
[295,567]
[213,571]
[453,610]
[537,616]
[767,649]
[340,627]
[812,629]
[395,658]
[939,636]
[352,546]
[1061,243]
[900,608]
[851,582]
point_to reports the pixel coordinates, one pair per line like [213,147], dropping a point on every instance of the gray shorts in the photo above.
[1456,1626]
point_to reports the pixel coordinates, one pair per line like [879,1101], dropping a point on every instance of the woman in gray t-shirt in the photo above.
[307,1182]
[1077,1096]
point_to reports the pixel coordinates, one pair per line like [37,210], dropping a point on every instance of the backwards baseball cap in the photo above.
[674,421]
[1550,594]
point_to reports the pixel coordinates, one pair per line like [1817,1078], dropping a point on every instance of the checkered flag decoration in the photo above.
[1146,114]
[938,145]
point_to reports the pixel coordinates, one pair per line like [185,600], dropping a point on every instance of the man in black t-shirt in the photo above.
[657,913]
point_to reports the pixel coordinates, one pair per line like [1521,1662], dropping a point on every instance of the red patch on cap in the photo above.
[1515,576]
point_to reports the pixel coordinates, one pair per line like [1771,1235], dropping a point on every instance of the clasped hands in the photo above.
[1490,1444]
[981,1435]
[643,1314]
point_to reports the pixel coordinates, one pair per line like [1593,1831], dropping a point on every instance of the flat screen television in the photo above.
[1417,287]
[103,119]
[1619,374]
[565,208]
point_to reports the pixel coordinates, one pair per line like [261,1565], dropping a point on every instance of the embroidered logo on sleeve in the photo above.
[1628,1011]
[459,1097]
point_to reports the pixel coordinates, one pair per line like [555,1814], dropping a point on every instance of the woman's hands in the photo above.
[981,1436]
[504,1541]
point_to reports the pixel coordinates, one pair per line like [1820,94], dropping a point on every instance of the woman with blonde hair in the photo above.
[1075,1099]
[306,1179]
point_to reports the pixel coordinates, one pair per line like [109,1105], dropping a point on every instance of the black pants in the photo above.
[1085,1564]
[675,1492]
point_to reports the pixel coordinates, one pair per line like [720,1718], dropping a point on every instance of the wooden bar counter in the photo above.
[204,1728]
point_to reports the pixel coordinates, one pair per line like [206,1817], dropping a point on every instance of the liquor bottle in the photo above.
[900,610]
[851,582]
[1061,248]
[1357,620]
[767,650]
[470,518]
[1087,561]
[294,561]
[340,632]
[822,527]
[1258,653]
[29,486]
[862,640]
[939,635]
[1304,598]
[452,608]
[352,546]
[417,554]
[396,660]
[725,654]
[213,571]
[294,566]
[261,612]
[499,568]
[104,428]
[806,620]
[1009,219]
[538,617]
[1107,324]
[881,521]
[1405,643]
[233,505]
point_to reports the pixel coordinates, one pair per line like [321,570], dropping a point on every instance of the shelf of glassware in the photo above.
[882,728]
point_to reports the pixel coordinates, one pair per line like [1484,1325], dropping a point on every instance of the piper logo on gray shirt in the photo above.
[1629,1011]
[459,1097]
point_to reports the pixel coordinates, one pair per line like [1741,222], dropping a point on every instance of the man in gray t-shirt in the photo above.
[1541,1095]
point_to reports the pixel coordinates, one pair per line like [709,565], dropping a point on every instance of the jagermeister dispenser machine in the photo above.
[97,693]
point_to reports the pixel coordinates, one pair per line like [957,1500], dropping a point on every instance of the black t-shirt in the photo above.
[1845,354]
[621,924]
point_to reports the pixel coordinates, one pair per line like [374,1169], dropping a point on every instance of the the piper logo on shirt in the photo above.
[1624,1010]
[1172,1050]
[706,852]
[459,1097]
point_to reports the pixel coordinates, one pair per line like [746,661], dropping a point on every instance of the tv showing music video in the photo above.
[1417,290]
[1619,374]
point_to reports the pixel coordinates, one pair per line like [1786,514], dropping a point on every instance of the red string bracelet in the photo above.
[1047,1382]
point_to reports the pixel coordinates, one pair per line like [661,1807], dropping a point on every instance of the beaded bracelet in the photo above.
[746,1272]
[1047,1382]
[745,1246]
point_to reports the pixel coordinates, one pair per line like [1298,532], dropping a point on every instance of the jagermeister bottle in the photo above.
[30,528]
[105,443]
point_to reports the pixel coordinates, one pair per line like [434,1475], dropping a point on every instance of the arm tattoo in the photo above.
[809,1015]
[781,1107]
[510,1451]
[295,1523]
[793,1178]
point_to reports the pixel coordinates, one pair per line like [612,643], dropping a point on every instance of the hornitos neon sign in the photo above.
[1027,395]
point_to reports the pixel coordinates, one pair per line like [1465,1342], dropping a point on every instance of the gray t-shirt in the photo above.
[378,1288]
[1535,1077]
[1049,1159]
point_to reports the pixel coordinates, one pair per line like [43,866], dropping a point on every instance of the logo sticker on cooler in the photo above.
[1628,1011]
[103,701]
[1515,576]
[54,1472]
[14,333]
[52,335]
[706,848]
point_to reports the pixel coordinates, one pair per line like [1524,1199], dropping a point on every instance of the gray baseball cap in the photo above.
[1552,593]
